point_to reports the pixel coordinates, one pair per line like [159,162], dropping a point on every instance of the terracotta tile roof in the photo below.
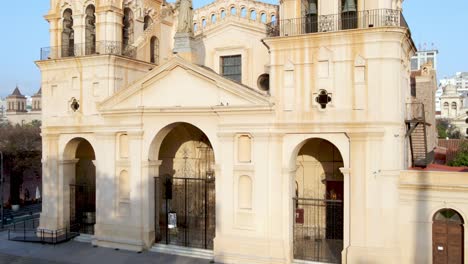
[438,167]
[452,147]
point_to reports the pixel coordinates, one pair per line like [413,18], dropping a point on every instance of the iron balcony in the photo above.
[313,23]
[87,49]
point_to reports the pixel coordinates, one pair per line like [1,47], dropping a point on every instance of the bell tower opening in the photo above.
[68,34]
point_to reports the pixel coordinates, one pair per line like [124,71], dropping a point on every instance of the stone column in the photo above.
[105,183]
[149,171]
[357,190]
[67,170]
[50,187]
[79,34]
[289,175]
[346,211]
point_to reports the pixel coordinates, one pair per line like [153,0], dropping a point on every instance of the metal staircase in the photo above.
[417,133]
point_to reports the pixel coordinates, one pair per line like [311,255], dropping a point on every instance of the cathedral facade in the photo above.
[241,131]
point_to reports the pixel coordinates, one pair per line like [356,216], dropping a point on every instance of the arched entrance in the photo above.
[447,237]
[318,203]
[82,179]
[185,189]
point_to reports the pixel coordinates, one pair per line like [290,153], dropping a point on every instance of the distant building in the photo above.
[17,107]
[3,110]
[454,106]
[422,57]
[459,80]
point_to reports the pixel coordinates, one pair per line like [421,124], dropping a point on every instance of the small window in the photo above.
[243,12]
[204,23]
[233,11]
[263,18]
[414,64]
[223,14]
[253,15]
[231,67]
[195,27]
[213,18]
[454,106]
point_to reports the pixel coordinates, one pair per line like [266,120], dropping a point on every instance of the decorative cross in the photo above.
[323,98]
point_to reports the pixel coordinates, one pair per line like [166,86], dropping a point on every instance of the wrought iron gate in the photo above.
[185,211]
[318,230]
[82,208]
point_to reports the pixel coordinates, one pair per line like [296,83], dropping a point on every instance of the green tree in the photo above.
[22,147]
[461,159]
[445,129]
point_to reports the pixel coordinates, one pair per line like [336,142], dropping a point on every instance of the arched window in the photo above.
[253,15]
[68,33]
[348,14]
[147,21]
[195,27]
[90,27]
[273,19]
[243,12]
[154,50]
[213,18]
[223,14]
[263,18]
[233,11]
[203,23]
[127,30]
[454,106]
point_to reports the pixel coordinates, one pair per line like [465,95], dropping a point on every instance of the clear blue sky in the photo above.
[444,23]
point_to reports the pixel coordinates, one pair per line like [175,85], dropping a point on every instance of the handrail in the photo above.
[87,49]
[313,23]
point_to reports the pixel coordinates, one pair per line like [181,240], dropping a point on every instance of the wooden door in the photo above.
[439,243]
[447,242]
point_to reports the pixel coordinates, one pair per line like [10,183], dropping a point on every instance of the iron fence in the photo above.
[82,208]
[336,22]
[318,230]
[85,49]
[39,235]
[185,211]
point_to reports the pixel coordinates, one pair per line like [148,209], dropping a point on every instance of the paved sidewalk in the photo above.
[12,252]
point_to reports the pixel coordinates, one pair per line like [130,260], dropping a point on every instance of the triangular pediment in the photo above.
[178,83]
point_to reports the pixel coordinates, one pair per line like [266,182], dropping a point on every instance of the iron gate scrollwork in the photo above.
[318,229]
[185,211]
[82,208]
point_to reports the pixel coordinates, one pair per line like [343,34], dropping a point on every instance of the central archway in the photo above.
[185,188]
[318,203]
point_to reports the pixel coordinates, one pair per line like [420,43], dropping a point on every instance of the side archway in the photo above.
[318,202]
[184,193]
[79,176]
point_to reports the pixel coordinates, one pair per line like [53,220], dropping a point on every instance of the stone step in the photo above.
[84,238]
[183,251]
[298,261]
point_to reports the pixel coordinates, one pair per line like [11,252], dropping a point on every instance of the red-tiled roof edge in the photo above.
[438,167]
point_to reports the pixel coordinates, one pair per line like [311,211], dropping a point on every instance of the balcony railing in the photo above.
[86,49]
[332,23]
